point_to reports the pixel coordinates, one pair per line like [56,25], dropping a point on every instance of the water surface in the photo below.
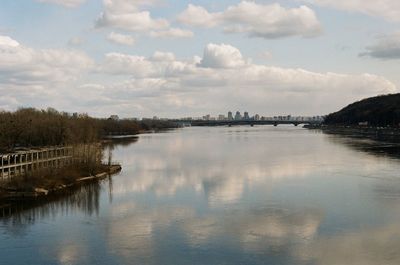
[225,195]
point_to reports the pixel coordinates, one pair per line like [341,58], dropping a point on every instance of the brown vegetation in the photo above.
[29,127]
[47,183]
[52,178]
[32,128]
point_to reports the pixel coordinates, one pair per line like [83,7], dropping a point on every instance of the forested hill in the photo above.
[377,111]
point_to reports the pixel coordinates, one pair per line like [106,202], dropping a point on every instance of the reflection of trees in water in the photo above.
[373,147]
[112,143]
[123,141]
[108,148]
[386,187]
[83,199]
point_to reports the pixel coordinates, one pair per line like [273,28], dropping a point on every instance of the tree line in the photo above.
[381,111]
[29,127]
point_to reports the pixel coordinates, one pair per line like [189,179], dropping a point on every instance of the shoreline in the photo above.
[9,196]
[375,133]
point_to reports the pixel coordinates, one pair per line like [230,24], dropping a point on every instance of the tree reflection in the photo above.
[122,141]
[84,199]
[370,146]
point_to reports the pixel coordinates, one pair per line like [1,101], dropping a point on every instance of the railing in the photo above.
[21,162]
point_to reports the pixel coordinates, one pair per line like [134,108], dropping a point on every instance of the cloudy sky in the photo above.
[139,58]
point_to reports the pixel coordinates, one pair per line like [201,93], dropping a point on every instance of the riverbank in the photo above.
[40,186]
[376,133]
[115,137]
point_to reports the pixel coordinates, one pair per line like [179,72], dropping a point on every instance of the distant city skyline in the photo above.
[222,117]
[166,58]
[247,116]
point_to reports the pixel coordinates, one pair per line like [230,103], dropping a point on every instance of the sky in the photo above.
[144,58]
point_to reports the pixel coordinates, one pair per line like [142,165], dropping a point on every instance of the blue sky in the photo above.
[141,58]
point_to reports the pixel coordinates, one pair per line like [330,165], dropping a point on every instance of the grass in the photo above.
[51,178]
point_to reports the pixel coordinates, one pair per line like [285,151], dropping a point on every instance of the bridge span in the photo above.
[242,122]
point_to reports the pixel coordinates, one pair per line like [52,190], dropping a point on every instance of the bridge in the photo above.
[243,122]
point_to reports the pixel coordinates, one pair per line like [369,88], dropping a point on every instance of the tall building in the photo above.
[221,117]
[246,116]
[238,116]
[230,116]
[257,117]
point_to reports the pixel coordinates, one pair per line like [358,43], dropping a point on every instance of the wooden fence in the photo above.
[23,161]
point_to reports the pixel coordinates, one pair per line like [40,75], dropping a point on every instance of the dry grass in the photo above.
[51,178]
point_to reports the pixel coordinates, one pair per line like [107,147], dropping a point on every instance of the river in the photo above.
[223,195]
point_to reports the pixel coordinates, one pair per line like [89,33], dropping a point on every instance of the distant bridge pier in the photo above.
[275,124]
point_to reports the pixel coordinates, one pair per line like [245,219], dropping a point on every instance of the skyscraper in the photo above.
[230,116]
[238,116]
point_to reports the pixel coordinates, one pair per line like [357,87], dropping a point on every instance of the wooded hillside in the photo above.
[377,111]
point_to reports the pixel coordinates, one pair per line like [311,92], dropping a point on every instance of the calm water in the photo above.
[238,195]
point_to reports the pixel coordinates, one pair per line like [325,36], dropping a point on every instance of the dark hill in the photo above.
[377,111]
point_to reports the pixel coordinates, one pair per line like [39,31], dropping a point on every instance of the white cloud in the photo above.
[388,9]
[222,56]
[387,47]
[6,41]
[67,3]
[163,57]
[39,65]
[199,16]
[256,20]
[33,75]
[172,33]
[123,64]
[8,102]
[121,39]
[160,65]
[224,79]
[127,15]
